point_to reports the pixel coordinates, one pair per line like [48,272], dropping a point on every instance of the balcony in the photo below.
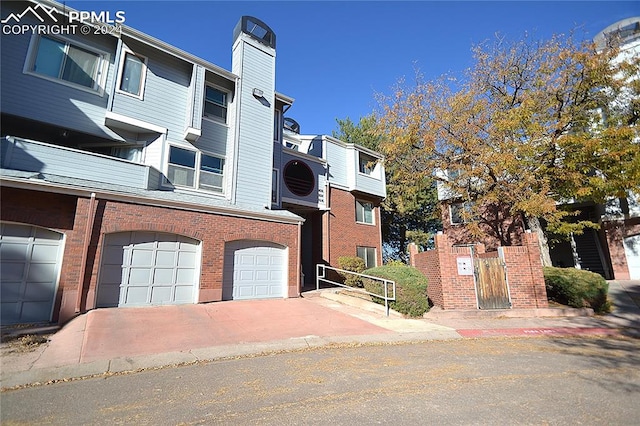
[38,157]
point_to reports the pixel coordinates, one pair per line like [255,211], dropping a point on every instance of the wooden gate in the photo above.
[491,283]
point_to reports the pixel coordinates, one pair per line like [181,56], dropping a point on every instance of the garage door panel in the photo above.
[139,276]
[46,234]
[38,292]
[161,295]
[44,253]
[32,311]
[184,294]
[185,275]
[159,268]
[13,251]
[163,277]
[41,272]
[632,252]
[12,271]
[144,239]
[142,257]
[135,295]
[119,239]
[109,295]
[10,291]
[30,259]
[10,309]
[166,258]
[254,269]
[12,230]
[186,259]
[169,245]
[111,274]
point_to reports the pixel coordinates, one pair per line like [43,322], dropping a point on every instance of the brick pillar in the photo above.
[413,251]
[530,241]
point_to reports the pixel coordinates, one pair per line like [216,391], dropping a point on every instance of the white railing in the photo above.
[388,286]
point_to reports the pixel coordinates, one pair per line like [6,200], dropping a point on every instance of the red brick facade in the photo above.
[69,215]
[615,232]
[342,234]
[497,228]
[448,289]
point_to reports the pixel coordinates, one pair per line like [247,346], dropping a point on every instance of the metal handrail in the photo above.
[320,276]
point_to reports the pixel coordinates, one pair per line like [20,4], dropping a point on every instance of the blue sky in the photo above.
[333,56]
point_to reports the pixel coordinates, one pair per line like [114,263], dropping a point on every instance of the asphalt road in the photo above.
[472,381]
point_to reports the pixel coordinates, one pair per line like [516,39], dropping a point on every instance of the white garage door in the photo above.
[632,251]
[254,270]
[30,259]
[148,268]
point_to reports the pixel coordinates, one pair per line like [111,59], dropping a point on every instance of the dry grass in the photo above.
[21,344]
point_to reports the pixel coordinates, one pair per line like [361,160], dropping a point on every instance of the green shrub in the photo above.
[577,288]
[411,288]
[353,264]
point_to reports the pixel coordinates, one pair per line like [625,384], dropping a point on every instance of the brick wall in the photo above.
[524,274]
[448,289]
[616,231]
[69,215]
[344,233]
[496,229]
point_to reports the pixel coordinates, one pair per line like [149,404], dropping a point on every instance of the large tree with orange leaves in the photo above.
[533,124]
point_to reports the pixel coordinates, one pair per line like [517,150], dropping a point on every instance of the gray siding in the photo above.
[255,147]
[337,160]
[48,101]
[317,195]
[214,137]
[370,185]
[165,101]
[56,160]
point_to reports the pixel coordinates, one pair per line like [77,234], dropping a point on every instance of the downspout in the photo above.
[236,139]
[91,217]
[298,262]
[379,222]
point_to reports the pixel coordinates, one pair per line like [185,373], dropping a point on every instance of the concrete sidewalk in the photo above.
[108,341]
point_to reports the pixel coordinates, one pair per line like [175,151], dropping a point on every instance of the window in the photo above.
[364,212]
[133,70]
[211,173]
[215,104]
[182,165]
[186,168]
[60,60]
[460,212]
[368,254]
[367,163]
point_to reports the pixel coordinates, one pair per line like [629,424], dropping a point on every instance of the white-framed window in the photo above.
[215,103]
[275,186]
[364,212]
[368,254]
[367,164]
[66,62]
[132,74]
[460,212]
[195,169]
